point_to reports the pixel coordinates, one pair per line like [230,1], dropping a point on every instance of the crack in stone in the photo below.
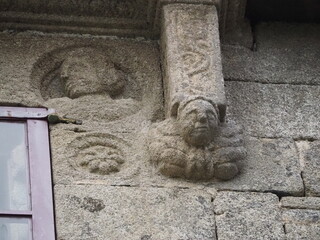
[284,228]
[270,83]
[279,194]
[216,229]
[307,139]
[301,163]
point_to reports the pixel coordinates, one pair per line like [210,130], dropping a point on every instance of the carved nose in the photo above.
[202,118]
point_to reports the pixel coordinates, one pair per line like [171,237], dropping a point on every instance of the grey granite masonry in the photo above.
[275,110]
[284,53]
[249,216]
[97,212]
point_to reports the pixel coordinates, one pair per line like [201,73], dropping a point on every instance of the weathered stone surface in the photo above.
[108,155]
[302,224]
[271,165]
[113,17]
[112,86]
[275,110]
[30,70]
[302,232]
[191,55]
[286,53]
[79,80]
[301,202]
[196,146]
[301,217]
[100,212]
[248,216]
[234,28]
[310,157]
[191,143]
[235,13]
[104,8]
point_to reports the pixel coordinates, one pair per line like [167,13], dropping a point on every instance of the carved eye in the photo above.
[193,111]
[210,112]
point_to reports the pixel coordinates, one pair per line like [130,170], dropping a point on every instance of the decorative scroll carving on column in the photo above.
[191,54]
[195,141]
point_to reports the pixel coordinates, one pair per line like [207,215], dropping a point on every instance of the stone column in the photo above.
[191,57]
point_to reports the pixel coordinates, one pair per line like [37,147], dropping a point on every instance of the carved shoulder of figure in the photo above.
[167,149]
[163,136]
[229,145]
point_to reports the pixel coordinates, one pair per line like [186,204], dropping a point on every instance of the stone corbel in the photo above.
[221,6]
[194,141]
[191,57]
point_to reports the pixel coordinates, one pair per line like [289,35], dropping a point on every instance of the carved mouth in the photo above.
[201,128]
[68,85]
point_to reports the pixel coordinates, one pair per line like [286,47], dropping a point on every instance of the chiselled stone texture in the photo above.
[177,155]
[32,66]
[310,159]
[194,142]
[302,224]
[103,8]
[98,153]
[285,53]
[82,154]
[235,29]
[235,13]
[112,86]
[191,54]
[248,216]
[100,212]
[275,110]
[301,217]
[112,17]
[301,202]
[271,165]
[103,17]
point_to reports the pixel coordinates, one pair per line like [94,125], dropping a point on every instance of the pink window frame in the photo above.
[41,214]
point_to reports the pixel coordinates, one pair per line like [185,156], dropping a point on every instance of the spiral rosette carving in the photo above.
[98,153]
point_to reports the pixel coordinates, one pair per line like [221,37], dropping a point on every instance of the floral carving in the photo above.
[98,153]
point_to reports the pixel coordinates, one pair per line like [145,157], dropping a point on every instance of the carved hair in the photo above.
[181,102]
[105,70]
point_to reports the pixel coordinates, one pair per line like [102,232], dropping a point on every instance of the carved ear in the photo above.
[64,69]
[174,109]
[175,105]
[222,112]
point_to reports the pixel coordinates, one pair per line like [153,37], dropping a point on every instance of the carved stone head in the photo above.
[198,120]
[89,72]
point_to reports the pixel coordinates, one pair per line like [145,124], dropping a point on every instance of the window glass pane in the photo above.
[15,229]
[14,183]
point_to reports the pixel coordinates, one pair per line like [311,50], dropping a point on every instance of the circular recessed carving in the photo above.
[98,153]
[77,71]
[83,82]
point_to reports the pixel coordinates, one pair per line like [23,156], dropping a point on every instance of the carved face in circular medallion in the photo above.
[198,121]
[84,75]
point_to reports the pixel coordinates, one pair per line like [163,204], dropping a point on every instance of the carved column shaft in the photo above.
[191,57]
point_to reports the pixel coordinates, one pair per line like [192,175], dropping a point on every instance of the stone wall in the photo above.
[105,187]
